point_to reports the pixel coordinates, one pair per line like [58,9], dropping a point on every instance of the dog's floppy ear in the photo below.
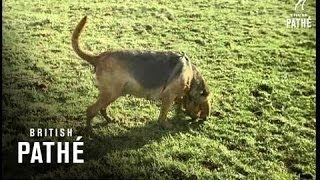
[199,90]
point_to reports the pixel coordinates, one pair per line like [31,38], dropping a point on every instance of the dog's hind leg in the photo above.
[103,101]
[103,112]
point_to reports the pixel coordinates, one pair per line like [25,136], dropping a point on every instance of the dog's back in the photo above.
[151,69]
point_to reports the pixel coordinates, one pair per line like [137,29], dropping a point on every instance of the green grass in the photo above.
[261,74]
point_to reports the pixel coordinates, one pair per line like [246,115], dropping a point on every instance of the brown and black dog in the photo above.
[167,76]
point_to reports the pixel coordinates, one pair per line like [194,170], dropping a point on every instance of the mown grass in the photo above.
[261,74]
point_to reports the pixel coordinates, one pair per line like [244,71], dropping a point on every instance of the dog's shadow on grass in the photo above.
[99,145]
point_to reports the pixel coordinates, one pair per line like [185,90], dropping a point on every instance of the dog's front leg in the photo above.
[178,109]
[179,105]
[165,107]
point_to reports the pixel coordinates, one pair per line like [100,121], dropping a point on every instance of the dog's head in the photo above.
[197,99]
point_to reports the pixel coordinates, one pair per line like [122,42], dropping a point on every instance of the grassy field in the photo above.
[261,75]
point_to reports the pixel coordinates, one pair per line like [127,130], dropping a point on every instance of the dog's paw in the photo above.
[107,118]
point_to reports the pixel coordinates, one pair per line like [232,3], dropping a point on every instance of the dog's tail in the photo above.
[75,43]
